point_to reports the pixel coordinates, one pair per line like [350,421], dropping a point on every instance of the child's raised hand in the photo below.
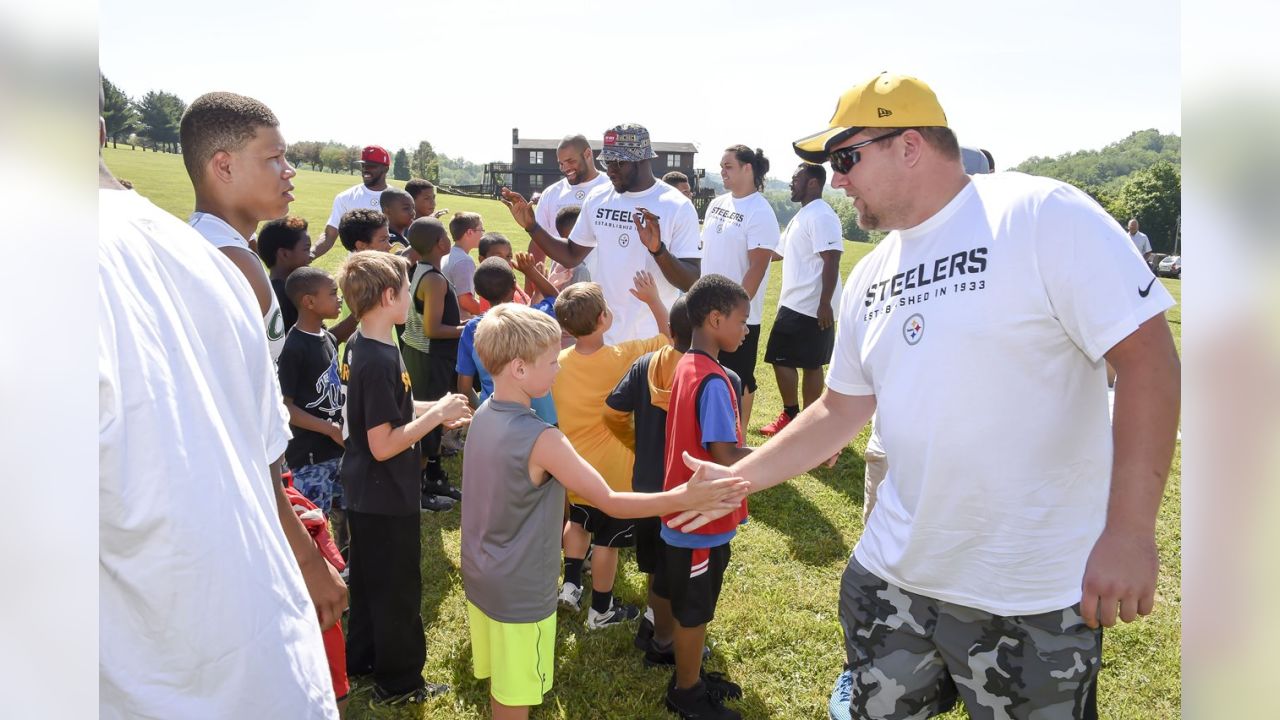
[526,263]
[646,289]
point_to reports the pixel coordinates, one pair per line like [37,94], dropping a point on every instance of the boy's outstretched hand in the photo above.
[712,492]
[520,208]
[646,290]
[709,474]
[526,264]
[647,228]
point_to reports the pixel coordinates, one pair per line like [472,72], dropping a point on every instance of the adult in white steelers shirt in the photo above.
[634,223]
[374,163]
[1014,521]
[740,237]
[581,176]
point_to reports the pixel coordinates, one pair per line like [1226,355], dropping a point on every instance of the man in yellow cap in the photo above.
[1013,522]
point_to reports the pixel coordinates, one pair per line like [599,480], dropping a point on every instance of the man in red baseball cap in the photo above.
[374,162]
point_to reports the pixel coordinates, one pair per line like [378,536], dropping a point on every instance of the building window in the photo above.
[673,160]
[535,181]
[535,157]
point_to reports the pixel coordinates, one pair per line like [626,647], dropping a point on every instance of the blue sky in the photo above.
[1018,78]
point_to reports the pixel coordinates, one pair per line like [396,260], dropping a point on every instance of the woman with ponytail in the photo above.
[740,237]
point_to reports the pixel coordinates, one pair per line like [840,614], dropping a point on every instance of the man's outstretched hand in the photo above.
[520,208]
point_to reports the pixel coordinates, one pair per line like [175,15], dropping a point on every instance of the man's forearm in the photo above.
[1144,430]
[830,275]
[682,273]
[330,235]
[816,434]
[558,249]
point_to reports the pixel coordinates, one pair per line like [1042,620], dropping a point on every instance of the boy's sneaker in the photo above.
[776,426]
[617,614]
[413,697]
[696,703]
[719,686]
[436,503]
[570,597]
[655,656]
[438,484]
[644,631]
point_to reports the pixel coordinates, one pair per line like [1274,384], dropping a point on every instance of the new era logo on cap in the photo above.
[611,138]
[627,143]
[881,112]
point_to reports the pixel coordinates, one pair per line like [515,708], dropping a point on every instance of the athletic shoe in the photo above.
[644,631]
[655,656]
[696,703]
[615,615]
[570,597]
[838,708]
[437,483]
[451,442]
[776,426]
[413,697]
[436,503]
[720,686]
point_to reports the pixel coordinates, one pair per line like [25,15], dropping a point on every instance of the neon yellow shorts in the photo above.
[519,658]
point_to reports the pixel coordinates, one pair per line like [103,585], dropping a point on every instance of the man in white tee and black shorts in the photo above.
[804,331]
[1013,522]
[374,163]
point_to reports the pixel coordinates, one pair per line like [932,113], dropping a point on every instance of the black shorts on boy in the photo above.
[606,530]
[691,579]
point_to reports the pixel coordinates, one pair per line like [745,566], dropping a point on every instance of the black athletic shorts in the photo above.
[430,376]
[606,530]
[743,360]
[691,580]
[796,341]
[649,545]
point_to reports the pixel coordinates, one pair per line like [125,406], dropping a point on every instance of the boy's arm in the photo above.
[532,270]
[619,407]
[553,453]
[468,302]
[325,586]
[434,310]
[305,420]
[344,329]
[385,441]
[467,388]
[646,290]
[727,453]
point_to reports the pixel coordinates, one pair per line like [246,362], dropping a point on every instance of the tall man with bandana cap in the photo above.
[1015,519]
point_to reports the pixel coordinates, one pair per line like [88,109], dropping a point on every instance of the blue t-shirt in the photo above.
[469,363]
[718,423]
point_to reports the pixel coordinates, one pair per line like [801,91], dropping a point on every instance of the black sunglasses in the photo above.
[843,160]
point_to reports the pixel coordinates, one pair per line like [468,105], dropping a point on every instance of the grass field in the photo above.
[776,630]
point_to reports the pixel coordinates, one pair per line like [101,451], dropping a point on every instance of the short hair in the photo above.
[494,280]
[489,239]
[281,234]
[364,276]
[416,186]
[942,139]
[511,331]
[578,142]
[306,280]
[578,308]
[425,234]
[358,226]
[755,158]
[461,223]
[566,218]
[390,195]
[681,327]
[674,177]
[711,292]
[217,122]
[815,172]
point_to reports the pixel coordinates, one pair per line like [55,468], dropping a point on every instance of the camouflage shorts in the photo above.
[321,484]
[911,657]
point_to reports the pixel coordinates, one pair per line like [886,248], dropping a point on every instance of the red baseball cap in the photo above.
[375,154]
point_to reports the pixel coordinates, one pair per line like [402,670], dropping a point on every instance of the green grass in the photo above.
[776,629]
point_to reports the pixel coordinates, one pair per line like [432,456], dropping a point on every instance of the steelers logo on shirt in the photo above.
[913,329]
[580,194]
[624,240]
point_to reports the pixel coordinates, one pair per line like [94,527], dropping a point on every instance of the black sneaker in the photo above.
[438,484]
[696,703]
[655,656]
[413,697]
[720,687]
[644,632]
[436,503]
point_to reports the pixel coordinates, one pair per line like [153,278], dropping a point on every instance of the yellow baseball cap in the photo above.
[889,101]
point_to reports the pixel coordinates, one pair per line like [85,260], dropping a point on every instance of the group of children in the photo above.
[573,443]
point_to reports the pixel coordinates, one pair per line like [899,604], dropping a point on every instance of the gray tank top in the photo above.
[510,529]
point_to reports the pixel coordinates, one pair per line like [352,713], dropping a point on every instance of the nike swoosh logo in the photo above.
[1144,293]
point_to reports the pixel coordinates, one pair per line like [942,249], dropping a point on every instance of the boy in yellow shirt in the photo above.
[588,373]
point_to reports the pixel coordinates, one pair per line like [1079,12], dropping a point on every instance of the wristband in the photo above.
[532,229]
[658,252]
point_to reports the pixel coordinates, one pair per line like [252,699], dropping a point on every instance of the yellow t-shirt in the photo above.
[580,389]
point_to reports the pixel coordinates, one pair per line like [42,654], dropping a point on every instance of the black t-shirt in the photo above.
[378,391]
[632,395]
[308,370]
[288,311]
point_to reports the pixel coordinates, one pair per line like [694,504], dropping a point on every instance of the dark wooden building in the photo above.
[533,165]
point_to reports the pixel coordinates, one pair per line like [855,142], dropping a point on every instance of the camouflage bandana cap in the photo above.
[628,143]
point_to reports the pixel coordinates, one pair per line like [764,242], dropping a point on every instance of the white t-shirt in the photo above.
[203,612]
[1141,242]
[606,225]
[460,269]
[220,235]
[356,196]
[814,230]
[561,195]
[981,333]
[732,227]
